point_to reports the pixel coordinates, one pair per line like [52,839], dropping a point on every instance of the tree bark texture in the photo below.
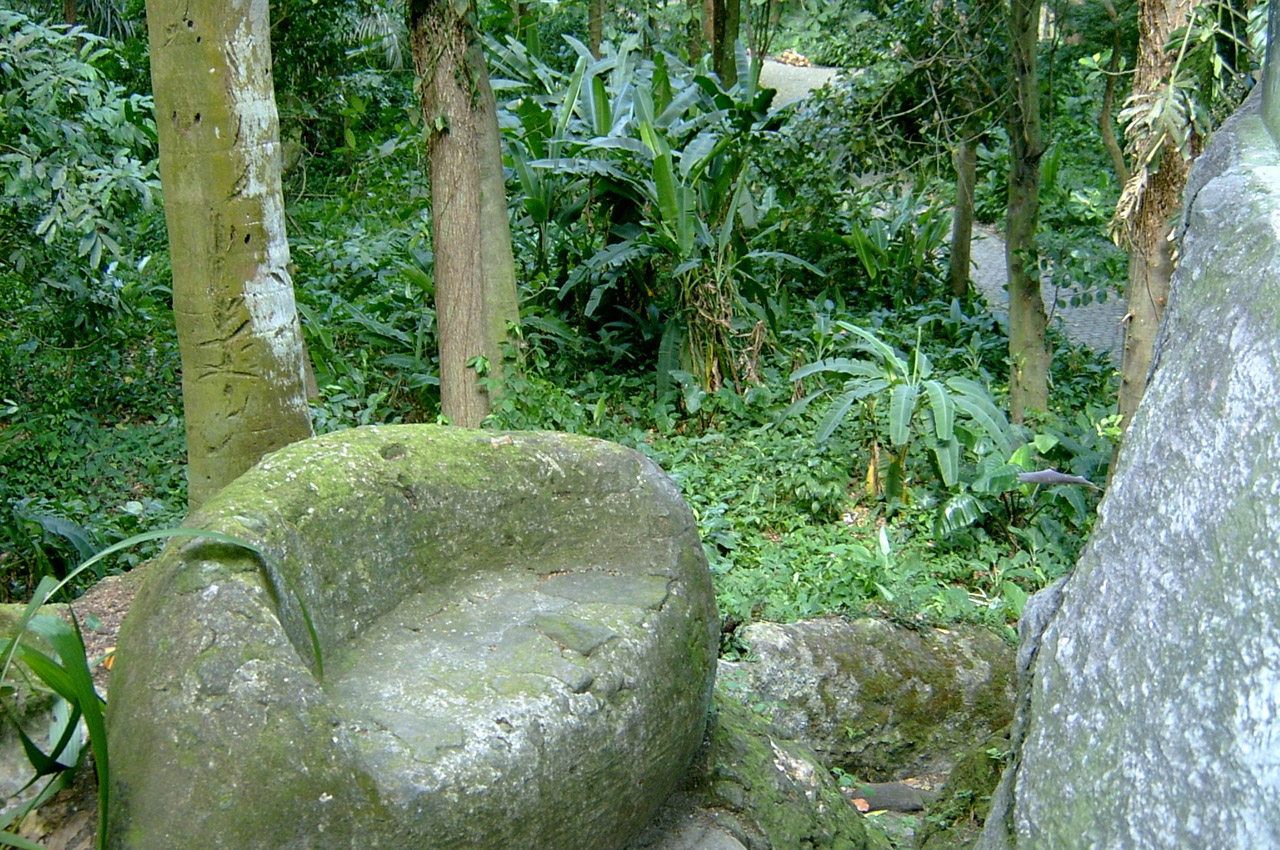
[595,26]
[242,357]
[721,23]
[1106,116]
[1156,199]
[694,29]
[474,267]
[1028,349]
[962,218]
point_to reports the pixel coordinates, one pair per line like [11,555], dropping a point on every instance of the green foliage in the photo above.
[47,653]
[664,153]
[77,160]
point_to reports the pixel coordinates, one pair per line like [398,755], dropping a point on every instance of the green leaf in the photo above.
[834,416]
[902,406]
[944,410]
[10,840]
[838,365]
[960,511]
[948,457]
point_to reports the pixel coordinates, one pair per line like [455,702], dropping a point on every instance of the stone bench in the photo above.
[459,640]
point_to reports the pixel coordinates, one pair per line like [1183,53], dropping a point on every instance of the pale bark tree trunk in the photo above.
[1028,348]
[474,267]
[962,218]
[241,345]
[1152,199]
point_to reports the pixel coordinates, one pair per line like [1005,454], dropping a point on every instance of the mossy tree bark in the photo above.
[962,219]
[722,23]
[595,26]
[693,29]
[476,300]
[1028,349]
[1150,200]
[241,345]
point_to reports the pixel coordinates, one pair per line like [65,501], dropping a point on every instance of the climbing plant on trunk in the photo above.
[242,357]
[1160,154]
[475,281]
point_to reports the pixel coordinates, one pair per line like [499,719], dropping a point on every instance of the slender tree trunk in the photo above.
[1153,200]
[726,23]
[1106,116]
[1028,348]
[962,218]
[242,357]
[595,26]
[694,29]
[70,12]
[474,269]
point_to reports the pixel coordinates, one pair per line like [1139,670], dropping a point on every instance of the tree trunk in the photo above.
[962,218]
[1106,117]
[595,26]
[1156,198]
[1028,349]
[725,26]
[241,345]
[474,269]
[694,29]
[70,12]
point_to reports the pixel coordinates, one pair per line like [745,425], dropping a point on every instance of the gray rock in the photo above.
[515,634]
[877,700]
[753,787]
[1151,715]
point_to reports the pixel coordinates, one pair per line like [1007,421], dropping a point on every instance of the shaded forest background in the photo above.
[759,299]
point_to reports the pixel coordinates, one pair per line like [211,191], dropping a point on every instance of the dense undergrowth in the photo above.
[838,431]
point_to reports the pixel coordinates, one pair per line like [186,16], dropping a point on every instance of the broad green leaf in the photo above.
[798,406]
[1045,442]
[944,410]
[891,358]
[601,114]
[902,406]
[838,365]
[960,511]
[834,416]
[947,455]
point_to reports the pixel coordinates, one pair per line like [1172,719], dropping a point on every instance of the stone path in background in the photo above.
[1095,325]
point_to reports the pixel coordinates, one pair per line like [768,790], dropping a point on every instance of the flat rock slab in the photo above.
[458,639]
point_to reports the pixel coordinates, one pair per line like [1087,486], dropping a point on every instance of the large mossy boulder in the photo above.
[457,640]
[1150,713]
[877,700]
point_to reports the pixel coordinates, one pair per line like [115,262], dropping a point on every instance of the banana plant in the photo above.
[905,406]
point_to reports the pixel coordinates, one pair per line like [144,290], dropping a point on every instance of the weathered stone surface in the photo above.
[1152,713]
[517,636]
[878,700]
[753,788]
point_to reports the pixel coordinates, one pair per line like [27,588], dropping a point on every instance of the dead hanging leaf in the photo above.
[109,658]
